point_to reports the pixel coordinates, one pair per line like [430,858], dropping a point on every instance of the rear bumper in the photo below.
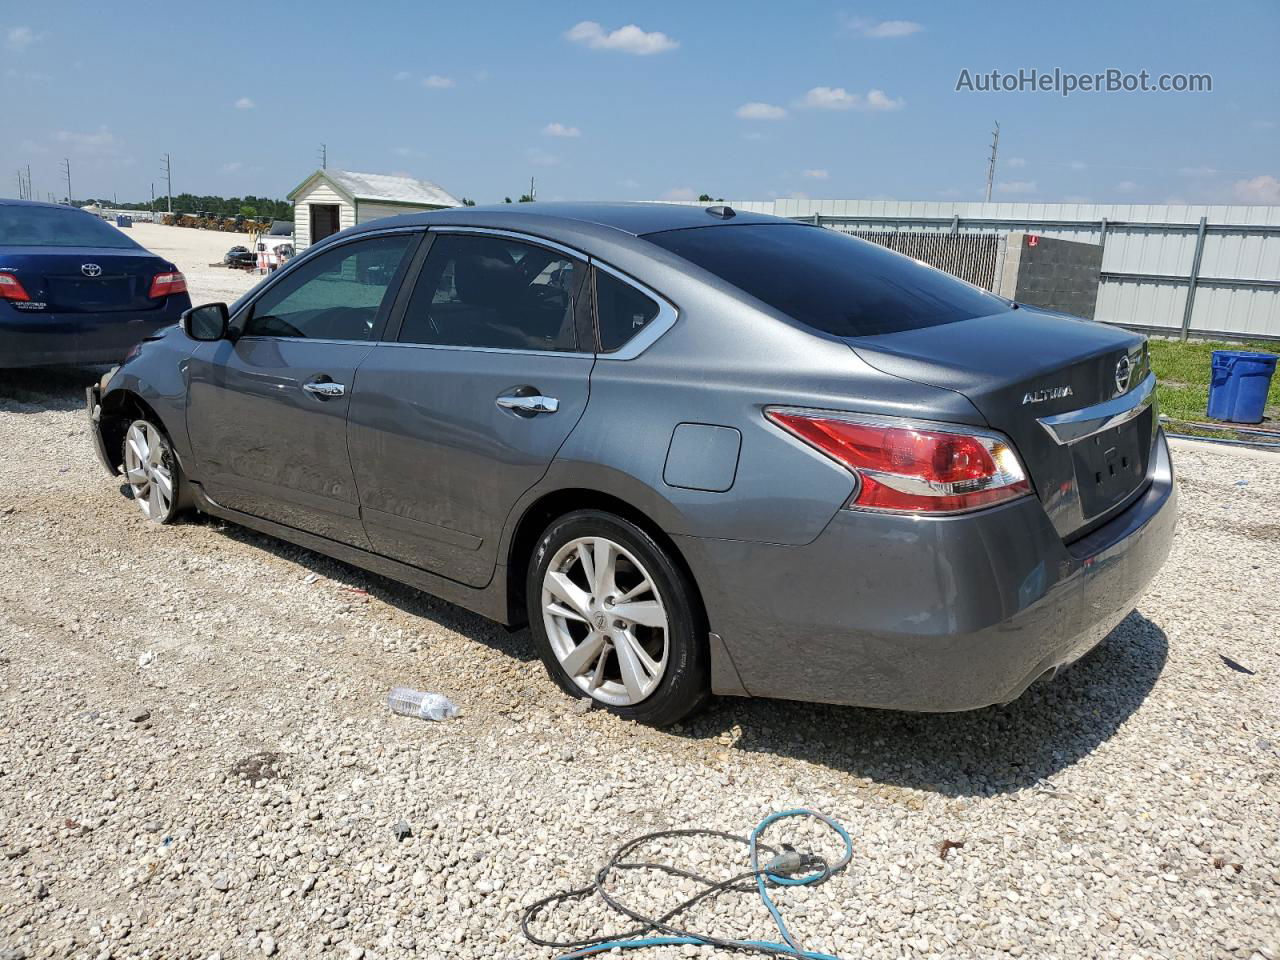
[929,614]
[45,339]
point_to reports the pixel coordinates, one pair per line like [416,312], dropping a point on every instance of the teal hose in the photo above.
[789,948]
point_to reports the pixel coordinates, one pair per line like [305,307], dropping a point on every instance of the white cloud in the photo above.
[1016,162]
[1261,189]
[754,135]
[881,29]
[628,39]
[560,130]
[1126,186]
[838,98]
[232,167]
[538,156]
[244,103]
[680,193]
[1078,165]
[403,75]
[19,38]
[815,174]
[437,82]
[629,183]
[101,141]
[1197,171]
[1016,186]
[760,111]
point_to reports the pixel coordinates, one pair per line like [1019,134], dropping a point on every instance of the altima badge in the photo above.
[1050,393]
[1124,370]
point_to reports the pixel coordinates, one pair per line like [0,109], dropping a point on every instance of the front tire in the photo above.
[151,471]
[616,619]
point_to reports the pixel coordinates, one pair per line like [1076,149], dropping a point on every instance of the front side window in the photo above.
[481,291]
[341,294]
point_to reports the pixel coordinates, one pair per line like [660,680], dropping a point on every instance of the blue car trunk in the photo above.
[86,279]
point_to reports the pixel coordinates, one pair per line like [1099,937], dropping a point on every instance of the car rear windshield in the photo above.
[23,226]
[828,280]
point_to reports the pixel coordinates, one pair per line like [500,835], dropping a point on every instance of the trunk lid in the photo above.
[1024,366]
[87,279]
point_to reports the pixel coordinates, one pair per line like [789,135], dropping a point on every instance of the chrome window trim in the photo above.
[653,330]
[1076,425]
[513,235]
[453,346]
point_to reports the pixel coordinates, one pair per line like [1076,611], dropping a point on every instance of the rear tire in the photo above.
[616,619]
[151,471]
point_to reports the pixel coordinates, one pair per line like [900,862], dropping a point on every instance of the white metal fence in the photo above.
[1210,271]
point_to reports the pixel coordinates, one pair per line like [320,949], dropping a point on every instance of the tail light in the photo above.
[907,469]
[165,284]
[11,288]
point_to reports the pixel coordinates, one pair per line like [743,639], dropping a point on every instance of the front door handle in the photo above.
[325,388]
[534,404]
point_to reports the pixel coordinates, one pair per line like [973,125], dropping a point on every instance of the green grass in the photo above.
[1183,371]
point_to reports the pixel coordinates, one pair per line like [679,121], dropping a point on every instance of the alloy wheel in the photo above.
[606,621]
[148,470]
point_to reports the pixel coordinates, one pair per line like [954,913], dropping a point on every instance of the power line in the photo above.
[168,176]
[991,165]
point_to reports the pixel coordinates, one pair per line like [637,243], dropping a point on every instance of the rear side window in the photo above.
[496,293]
[622,311]
[24,226]
[828,280]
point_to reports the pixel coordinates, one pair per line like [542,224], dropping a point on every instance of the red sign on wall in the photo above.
[1032,240]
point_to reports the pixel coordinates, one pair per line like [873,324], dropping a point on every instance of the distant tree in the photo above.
[706,198]
[248,210]
[506,199]
[525,198]
[468,202]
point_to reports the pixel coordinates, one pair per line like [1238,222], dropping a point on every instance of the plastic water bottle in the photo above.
[418,703]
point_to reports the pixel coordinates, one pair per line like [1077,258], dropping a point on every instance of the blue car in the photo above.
[75,290]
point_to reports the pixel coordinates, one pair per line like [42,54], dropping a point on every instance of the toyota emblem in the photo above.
[1124,370]
[91,269]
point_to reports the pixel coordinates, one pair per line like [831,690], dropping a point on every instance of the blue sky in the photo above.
[642,100]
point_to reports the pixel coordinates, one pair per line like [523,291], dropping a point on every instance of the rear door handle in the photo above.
[534,404]
[325,388]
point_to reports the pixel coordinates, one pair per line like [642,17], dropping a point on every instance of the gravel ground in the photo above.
[193,251]
[196,759]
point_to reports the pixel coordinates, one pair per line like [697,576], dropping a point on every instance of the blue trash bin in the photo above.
[1238,390]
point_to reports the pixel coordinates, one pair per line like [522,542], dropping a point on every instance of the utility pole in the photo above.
[168,175]
[324,156]
[991,165]
[30,193]
[66,165]
[21,189]
[533,193]
[153,200]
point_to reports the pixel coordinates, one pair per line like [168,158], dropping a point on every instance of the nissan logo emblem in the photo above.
[1124,370]
[91,269]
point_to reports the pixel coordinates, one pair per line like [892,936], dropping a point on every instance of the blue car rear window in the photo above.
[828,280]
[23,226]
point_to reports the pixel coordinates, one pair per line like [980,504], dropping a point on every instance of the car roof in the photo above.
[636,219]
[11,202]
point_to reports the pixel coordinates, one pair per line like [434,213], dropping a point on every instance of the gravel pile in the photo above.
[196,758]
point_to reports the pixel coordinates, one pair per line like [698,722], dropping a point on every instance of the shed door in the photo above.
[324,221]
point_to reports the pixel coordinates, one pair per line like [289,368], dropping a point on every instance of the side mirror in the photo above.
[205,323]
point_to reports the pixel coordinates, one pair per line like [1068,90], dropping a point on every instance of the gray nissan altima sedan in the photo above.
[698,451]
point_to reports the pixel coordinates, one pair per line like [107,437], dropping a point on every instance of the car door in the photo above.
[267,409]
[463,407]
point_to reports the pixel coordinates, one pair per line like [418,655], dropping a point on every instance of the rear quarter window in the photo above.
[830,281]
[622,311]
